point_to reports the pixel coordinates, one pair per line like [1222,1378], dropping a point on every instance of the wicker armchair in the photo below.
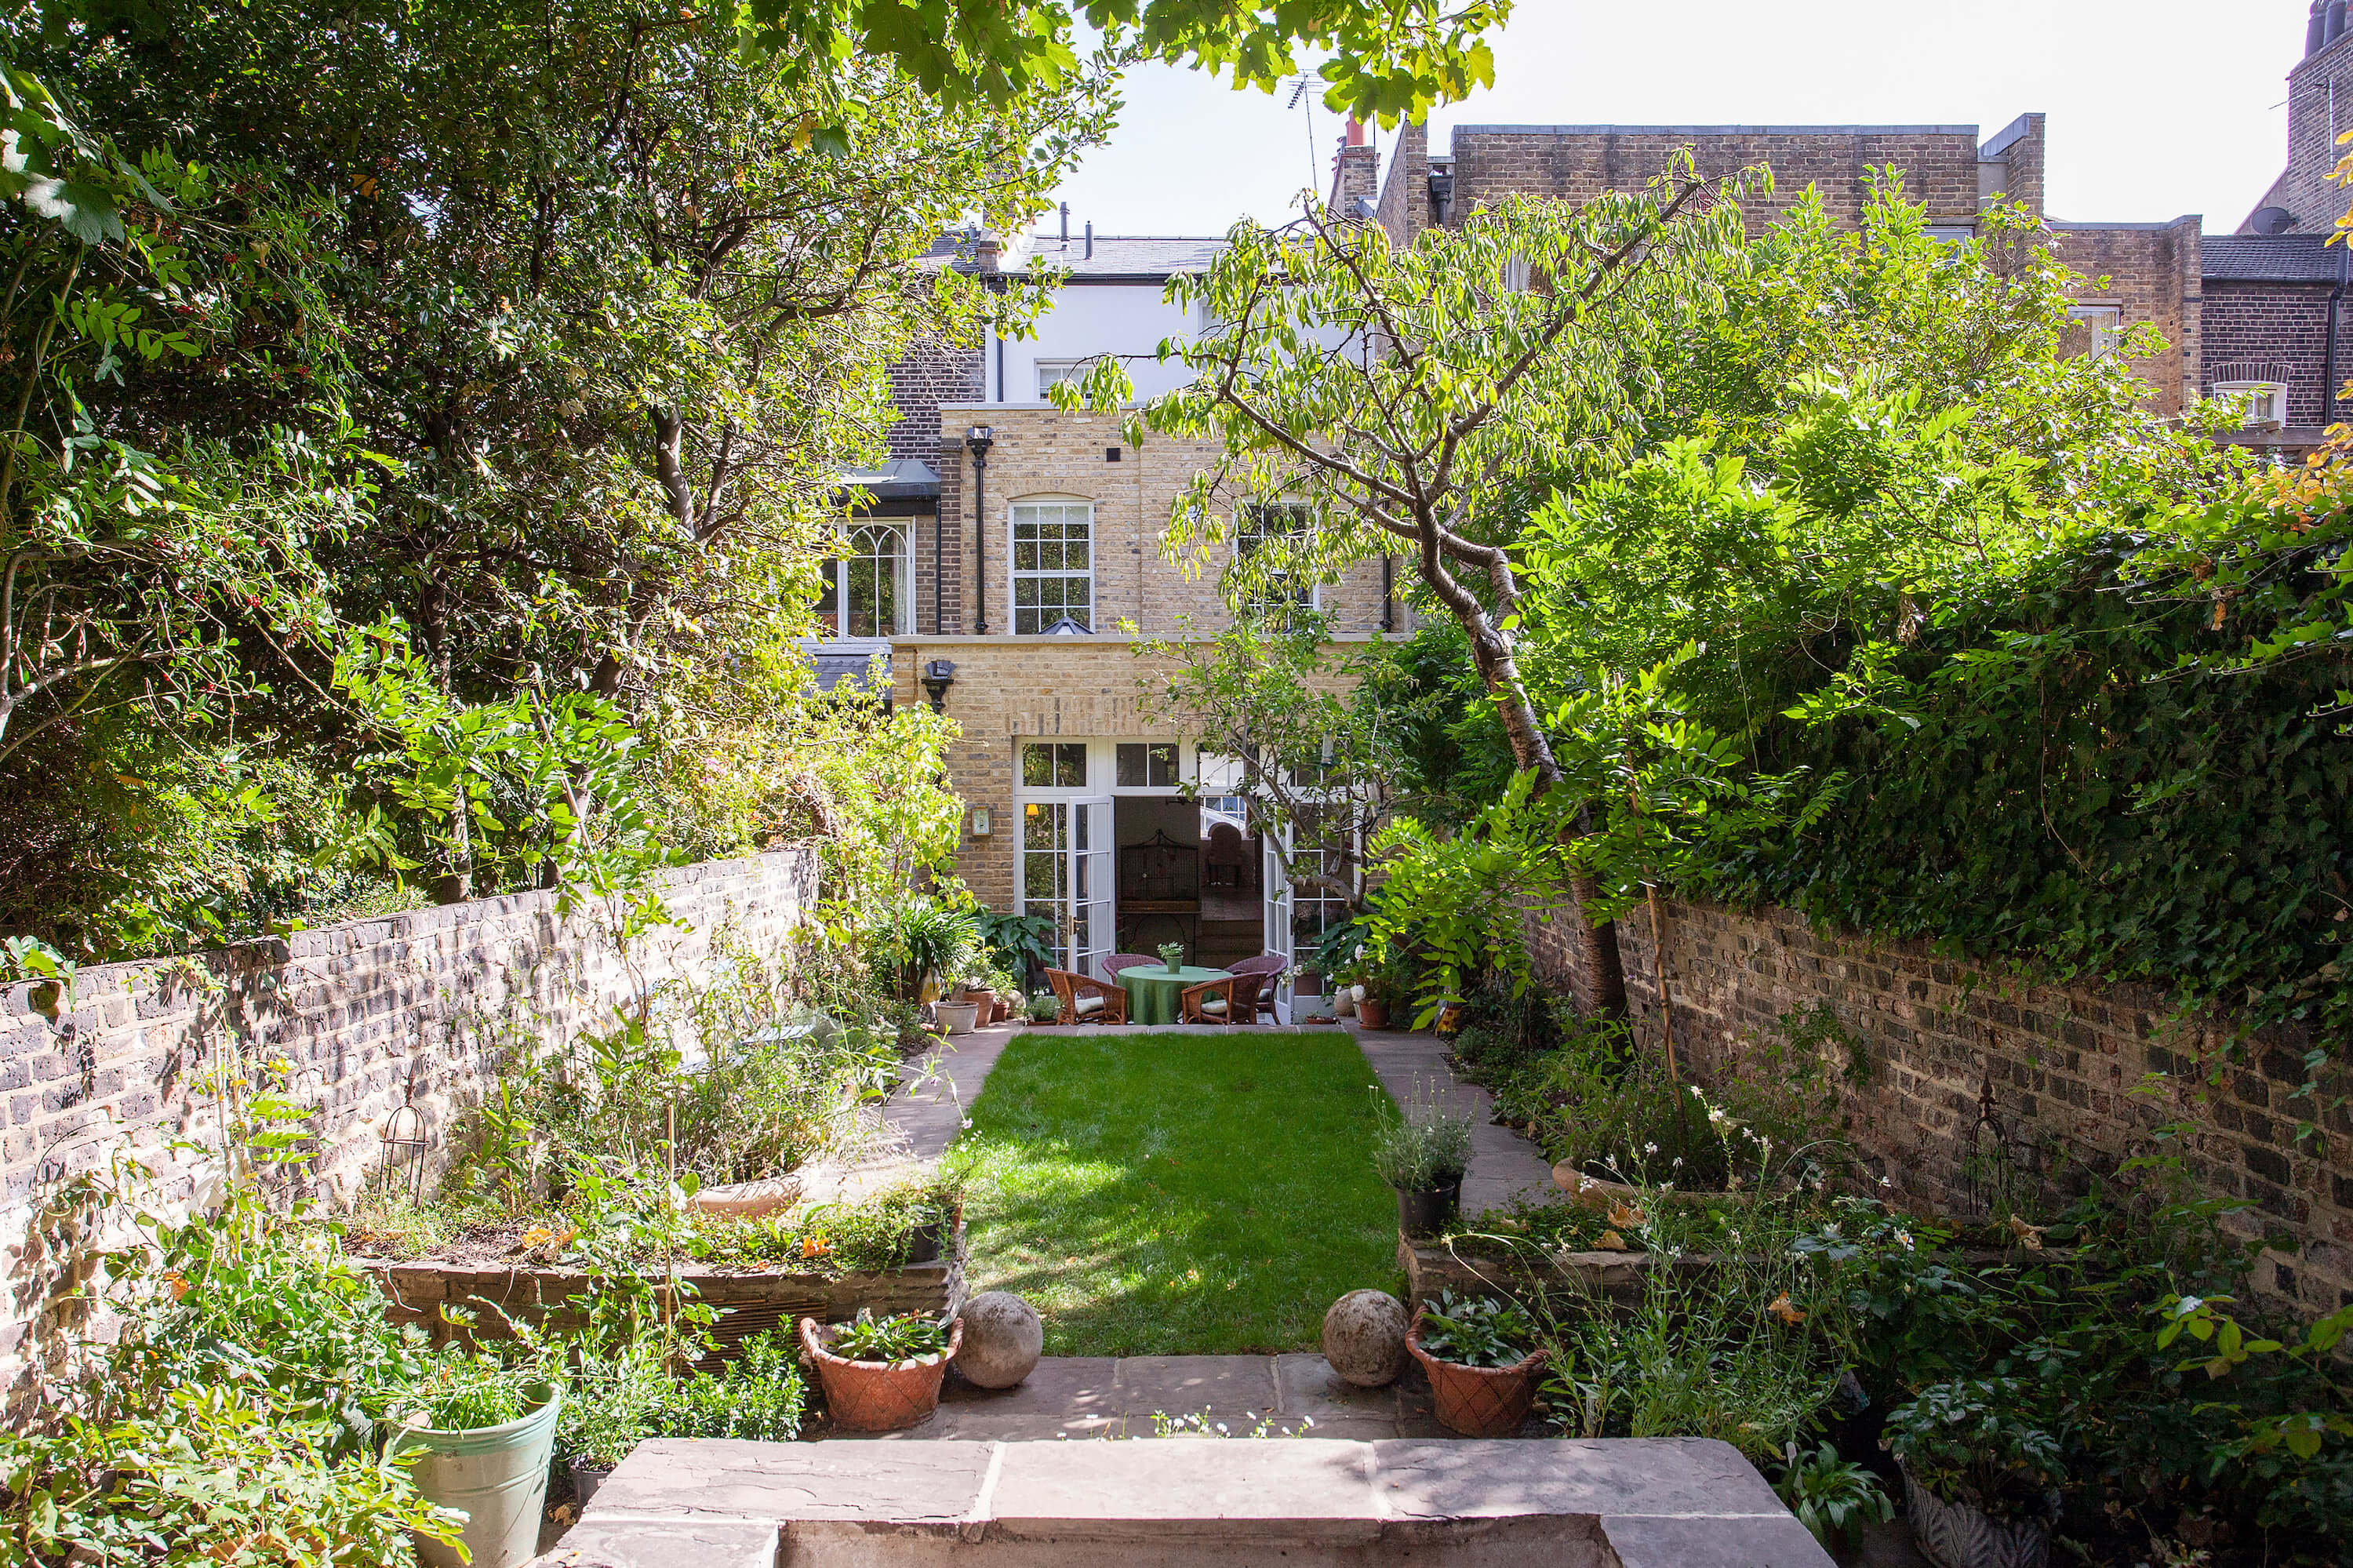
[1268,969]
[1227,1000]
[1118,961]
[1086,1000]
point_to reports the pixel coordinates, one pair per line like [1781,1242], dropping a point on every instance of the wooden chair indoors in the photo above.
[1118,961]
[1267,968]
[1224,1000]
[1086,1000]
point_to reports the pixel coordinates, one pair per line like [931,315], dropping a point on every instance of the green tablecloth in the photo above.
[1152,989]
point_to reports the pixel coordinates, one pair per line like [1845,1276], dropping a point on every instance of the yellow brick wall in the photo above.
[1009,689]
[1042,451]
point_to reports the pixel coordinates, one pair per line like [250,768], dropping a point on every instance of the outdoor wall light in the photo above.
[938,676]
[981,826]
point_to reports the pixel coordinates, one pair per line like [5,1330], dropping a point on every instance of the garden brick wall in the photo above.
[2081,1074]
[352,1009]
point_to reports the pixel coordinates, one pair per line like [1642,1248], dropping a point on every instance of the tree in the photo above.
[1399,397]
[1388,62]
[1319,738]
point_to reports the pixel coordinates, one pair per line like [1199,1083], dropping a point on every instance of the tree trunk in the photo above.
[1603,969]
[454,884]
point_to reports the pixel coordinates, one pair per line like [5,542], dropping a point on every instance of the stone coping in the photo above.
[1628,1503]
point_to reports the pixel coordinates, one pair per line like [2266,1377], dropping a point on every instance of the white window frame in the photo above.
[1016,574]
[837,568]
[1052,372]
[1247,534]
[2105,323]
[2263,404]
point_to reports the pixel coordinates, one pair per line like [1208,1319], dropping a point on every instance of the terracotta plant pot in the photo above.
[1373,1014]
[1478,1402]
[878,1396]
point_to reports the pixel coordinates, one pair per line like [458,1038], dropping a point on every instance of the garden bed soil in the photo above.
[750,1300]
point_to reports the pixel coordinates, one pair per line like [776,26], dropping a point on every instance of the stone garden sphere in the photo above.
[1002,1339]
[1364,1338]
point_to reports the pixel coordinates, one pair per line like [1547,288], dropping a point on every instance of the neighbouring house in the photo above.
[1001,559]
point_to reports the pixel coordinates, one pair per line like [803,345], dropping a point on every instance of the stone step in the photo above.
[1302,1503]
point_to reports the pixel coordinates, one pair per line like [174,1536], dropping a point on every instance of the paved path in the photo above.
[1101,1396]
[1503,1165]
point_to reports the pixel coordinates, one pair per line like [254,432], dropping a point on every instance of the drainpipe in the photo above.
[2328,372]
[980,438]
[939,572]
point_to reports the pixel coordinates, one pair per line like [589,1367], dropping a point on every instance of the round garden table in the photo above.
[1153,989]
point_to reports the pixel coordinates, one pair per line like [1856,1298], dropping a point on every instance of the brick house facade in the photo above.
[980,453]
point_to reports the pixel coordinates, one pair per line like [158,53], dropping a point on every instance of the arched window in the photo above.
[866,583]
[1053,566]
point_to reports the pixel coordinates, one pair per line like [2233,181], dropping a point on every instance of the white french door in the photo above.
[1275,916]
[1093,919]
[1068,875]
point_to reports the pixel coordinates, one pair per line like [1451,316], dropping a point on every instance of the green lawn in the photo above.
[1178,1194]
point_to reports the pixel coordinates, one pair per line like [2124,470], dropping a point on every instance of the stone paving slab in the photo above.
[1098,1396]
[1144,1486]
[695,1479]
[1304,1503]
[1668,1475]
[1503,1165]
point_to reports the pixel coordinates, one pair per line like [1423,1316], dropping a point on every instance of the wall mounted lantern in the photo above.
[938,676]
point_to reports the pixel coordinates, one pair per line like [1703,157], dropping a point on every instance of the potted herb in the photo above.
[621,1403]
[881,1374]
[613,1409]
[1980,1475]
[1045,1008]
[1423,1152]
[1172,954]
[483,1434]
[1483,1362]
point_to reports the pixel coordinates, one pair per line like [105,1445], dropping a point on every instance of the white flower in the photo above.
[1649,1148]
[1886,1182]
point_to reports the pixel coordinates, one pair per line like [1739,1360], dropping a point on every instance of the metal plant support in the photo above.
[1986,1167]
[404,1138]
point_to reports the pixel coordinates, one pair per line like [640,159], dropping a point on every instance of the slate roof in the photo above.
[2272,258]
[1118,255]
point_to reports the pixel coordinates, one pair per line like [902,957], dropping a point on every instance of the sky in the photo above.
[2157,107]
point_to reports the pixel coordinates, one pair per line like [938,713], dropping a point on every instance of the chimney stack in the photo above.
[1355,172]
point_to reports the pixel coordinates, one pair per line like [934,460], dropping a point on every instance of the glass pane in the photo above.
[1070,767]
[1131,766]
[1080,829]
[1161,767]
[828,601]
[1039,883]
[1037,767]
